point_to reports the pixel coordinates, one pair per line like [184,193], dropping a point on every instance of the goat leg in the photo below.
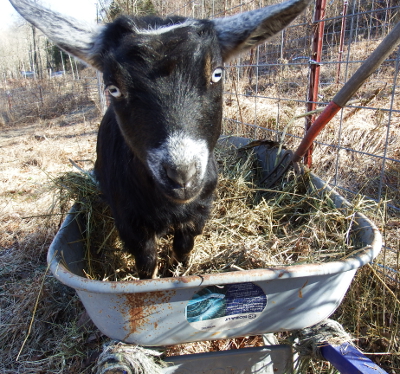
[143,248]
[184,240]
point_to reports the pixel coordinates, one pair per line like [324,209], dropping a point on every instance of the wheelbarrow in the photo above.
[169,311]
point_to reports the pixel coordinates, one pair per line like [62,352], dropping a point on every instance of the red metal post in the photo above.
[327,114]
[315,59]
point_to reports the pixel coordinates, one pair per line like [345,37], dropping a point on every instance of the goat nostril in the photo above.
[181,176]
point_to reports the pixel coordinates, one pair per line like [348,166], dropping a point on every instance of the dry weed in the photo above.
[44,327]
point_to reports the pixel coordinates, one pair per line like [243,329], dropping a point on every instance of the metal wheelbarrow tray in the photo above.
[170,311]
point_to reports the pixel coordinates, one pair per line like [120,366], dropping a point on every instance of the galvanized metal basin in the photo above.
[211,306]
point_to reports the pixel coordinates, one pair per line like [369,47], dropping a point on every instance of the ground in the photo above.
[44,327]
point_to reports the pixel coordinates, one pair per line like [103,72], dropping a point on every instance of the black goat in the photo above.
[155,162]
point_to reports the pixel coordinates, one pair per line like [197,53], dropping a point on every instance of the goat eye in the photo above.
[216,75]
[114,91]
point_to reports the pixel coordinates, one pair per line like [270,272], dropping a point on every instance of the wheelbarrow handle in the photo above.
[349,89]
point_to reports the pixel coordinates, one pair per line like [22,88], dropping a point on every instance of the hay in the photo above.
[250,227]
[104,256]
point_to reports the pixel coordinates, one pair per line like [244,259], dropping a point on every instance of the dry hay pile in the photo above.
[250,227]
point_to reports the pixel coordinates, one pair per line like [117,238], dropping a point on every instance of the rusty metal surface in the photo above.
[158,318]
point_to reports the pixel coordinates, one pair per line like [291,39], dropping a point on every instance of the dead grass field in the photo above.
[59,336]
[44,328]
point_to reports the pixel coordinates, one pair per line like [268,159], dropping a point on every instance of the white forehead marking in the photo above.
[164,29]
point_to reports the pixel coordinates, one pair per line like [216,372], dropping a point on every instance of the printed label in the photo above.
[224,307]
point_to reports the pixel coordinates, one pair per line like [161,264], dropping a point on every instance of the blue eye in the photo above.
[216,75]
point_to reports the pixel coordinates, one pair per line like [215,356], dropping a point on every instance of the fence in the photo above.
[41,93]
[268,89]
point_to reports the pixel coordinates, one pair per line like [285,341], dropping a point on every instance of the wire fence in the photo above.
[30,91]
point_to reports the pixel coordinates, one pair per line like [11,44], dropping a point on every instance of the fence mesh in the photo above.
[31,87]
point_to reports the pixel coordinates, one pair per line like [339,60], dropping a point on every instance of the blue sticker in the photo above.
[227,305]
[244,298]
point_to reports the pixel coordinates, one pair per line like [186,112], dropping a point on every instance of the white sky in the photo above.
[81,9]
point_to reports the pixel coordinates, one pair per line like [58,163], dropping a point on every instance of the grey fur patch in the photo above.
[165,29]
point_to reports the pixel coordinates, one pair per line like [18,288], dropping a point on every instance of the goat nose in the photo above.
[182,175]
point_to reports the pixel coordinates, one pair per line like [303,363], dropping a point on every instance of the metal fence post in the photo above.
[315,59]
[341,42]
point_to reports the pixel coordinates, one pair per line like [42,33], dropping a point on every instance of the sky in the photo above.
[81,9]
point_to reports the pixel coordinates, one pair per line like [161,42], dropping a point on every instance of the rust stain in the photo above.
[185,280]
[216,333]
[143,306]
[300,290]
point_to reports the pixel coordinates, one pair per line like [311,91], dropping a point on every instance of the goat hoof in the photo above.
[184,260]
[143,274]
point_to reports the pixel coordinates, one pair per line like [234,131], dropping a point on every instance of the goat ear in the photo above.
[82,40]
[246,30]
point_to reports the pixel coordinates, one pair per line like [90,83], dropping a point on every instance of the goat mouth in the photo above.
[181,197]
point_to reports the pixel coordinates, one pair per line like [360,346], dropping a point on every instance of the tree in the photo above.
[58,58]
[130,7]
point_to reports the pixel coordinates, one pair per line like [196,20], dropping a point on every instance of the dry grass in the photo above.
[33,305]
[26,100]
[250,227]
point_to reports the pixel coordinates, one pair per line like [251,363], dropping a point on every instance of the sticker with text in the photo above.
[225,307]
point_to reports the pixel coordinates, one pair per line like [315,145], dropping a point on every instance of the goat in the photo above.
[155,163]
